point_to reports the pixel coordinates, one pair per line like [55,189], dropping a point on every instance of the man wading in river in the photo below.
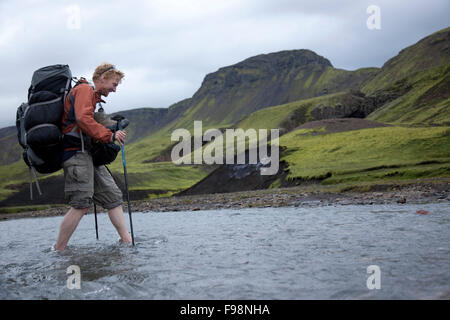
[84,182]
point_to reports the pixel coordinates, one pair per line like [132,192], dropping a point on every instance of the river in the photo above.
[321,252]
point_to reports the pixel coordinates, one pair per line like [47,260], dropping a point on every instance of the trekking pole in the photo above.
[121,126]
[128,194]
[96,225]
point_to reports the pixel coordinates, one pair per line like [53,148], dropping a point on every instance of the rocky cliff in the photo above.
[234,92]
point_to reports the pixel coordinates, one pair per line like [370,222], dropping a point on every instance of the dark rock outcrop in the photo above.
[353,105]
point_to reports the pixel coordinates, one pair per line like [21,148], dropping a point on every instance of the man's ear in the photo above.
[101,79]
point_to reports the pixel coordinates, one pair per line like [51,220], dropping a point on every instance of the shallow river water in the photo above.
[271,253]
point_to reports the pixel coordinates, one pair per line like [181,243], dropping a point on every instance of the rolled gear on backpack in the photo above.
[105,153]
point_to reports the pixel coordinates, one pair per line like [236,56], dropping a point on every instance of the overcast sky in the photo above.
[167,47]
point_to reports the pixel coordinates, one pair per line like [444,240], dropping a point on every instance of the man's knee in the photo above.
[78,211]
[83,210]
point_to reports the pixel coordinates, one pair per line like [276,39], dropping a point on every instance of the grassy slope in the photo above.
[12,174]
[276,117]
[368,154]
[427,102]
[355,155]
[162,176]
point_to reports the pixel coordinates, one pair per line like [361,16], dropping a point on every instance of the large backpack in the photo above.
[38,121]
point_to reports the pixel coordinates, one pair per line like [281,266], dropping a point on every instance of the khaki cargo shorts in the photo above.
[85,184]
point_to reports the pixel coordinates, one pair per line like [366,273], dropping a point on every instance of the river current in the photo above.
[323,252]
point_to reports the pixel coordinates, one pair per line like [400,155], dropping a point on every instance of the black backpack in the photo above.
[38,121]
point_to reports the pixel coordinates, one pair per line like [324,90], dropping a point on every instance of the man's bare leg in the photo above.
[68,226]
[118,221]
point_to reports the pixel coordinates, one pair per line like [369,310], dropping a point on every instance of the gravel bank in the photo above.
[424,191]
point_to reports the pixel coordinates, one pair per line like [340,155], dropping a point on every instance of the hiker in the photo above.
[84,182]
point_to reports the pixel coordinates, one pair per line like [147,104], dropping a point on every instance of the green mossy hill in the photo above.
[425,99]
[374,153]
[431,51]
[288,116]
[10,151]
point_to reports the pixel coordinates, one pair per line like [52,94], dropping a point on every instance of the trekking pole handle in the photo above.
[123,124]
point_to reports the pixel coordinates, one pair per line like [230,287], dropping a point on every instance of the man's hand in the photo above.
[120,137]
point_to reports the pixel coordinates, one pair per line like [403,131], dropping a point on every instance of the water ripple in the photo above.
[270,253]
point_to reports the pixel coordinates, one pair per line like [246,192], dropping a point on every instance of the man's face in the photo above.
[108,85]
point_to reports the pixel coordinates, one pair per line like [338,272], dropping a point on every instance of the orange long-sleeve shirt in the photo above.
[79,108]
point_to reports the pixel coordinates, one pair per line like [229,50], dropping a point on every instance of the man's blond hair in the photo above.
[109,70]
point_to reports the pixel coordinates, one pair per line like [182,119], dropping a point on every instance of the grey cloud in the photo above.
[167,47]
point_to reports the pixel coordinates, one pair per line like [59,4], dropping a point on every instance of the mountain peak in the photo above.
[265,80]
[285,59]
[278,61]
[265,66]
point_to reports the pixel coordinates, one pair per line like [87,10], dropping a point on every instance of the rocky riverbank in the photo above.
[422,191]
